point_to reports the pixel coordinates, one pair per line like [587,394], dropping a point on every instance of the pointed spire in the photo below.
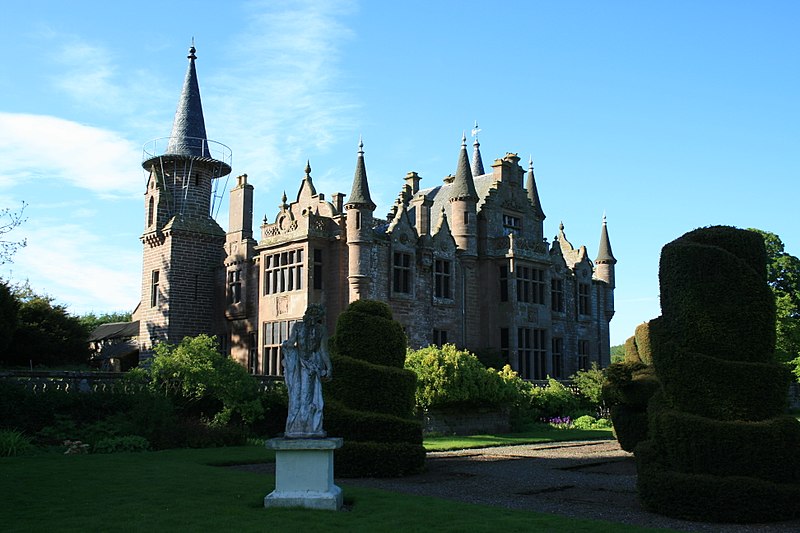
[533,191]
[463,185]
[604,254]
[307,186]
[360,192]
[189,129]
[477,161]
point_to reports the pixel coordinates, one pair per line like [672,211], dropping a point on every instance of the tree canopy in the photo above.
[783,274]
[41,332]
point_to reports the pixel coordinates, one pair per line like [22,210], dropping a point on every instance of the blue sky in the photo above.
[666,115]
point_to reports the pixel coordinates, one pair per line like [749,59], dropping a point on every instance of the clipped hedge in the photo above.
[631,383]
[695,444]
[370,400]
[385,459]
[726,390]
[719,447]
[368,426]
[367,331]
[712,498]
[631,352]
[716,304]
[372,387]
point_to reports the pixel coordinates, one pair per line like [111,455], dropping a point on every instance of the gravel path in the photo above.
[593,479]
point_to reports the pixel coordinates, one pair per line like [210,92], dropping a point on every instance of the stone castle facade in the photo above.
[464,262]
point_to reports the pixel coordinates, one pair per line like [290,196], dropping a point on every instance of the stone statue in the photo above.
[306,364]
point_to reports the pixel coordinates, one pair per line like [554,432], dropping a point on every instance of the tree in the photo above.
[46,334]
[9,314]
[91,320]
[8,221]
[783,275]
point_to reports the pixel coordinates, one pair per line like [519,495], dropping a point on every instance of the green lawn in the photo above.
[535,434]
[187,490]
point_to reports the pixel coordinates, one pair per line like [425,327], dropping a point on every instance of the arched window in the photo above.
[150,210]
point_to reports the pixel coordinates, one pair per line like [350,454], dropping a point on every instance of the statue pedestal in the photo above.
[304,474]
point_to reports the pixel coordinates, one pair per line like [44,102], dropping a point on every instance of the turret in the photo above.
[463,205]
[604,264]
[477,161]
[184,247]
[359,209]
[533,197]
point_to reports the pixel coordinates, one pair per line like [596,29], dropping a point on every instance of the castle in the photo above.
[465,262]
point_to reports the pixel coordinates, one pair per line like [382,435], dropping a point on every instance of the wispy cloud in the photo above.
[280,99]
[88,74]
[50,148]
[90,272]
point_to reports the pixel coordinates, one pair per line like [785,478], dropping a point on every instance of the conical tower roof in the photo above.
[360,192]
[463,185]
[188,136]
[533,191]
[477,161]
[604,254]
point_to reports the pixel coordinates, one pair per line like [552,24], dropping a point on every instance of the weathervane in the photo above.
[476,130]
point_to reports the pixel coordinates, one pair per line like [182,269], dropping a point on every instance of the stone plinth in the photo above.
[304,474]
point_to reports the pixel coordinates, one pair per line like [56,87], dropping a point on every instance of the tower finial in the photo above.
[308,167]
[464,138]
[192,51]
[530,163]
[475,131]
[360,145]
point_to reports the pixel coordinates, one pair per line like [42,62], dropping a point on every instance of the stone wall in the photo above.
[465,421]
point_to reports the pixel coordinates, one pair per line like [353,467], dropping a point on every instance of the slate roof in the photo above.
[604,254]
[189,128]
[463,186]
[360,192]
[115,330]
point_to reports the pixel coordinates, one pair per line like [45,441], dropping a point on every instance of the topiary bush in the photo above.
[718,448]
[370,400]
[629,386]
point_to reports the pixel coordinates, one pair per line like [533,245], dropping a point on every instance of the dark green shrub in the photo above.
[711,498]
[366,331]
[631,352]
[125,443]
[396,385]
[369,389]
[716,303]
[703,385]
[385,459]
[718,448]
[362,425]
[275,404]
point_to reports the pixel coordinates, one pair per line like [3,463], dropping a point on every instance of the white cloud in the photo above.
[82,270]
[284,75]
[89,74]
[50,148]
